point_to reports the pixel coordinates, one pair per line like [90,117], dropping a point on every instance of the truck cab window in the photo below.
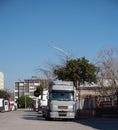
[63,96]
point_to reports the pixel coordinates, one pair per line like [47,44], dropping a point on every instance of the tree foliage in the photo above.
[4,94]
[24,101]
[77,70]
[38,91]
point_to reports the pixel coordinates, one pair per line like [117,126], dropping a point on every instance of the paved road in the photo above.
[29,120]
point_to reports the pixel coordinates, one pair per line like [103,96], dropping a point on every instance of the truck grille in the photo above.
[62,107]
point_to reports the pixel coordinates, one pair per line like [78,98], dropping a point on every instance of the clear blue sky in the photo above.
[28,27]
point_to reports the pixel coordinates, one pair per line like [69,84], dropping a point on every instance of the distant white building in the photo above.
[1,81]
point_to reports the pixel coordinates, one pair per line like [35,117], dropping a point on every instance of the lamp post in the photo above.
[61,50]
[78,88]
[26,92]
[25,102]
[25,96]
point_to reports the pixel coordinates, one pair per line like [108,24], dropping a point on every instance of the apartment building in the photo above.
[1,81]
[26,87]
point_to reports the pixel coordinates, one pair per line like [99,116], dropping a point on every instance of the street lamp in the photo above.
[25,102]
[25,96]
[61,50]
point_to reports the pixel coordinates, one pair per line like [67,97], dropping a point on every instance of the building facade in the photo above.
[1,81]
[26,88]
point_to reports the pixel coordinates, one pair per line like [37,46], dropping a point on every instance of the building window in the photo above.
[16,93]
[31,93]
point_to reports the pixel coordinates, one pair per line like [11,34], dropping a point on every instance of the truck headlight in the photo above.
[70,107]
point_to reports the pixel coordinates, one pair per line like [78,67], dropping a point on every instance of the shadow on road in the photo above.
[101,123]
[31,115]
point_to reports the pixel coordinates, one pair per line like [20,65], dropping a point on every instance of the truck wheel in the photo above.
[48,118]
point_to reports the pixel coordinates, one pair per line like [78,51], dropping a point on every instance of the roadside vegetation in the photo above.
[4,94]
[24,102]
[104,68]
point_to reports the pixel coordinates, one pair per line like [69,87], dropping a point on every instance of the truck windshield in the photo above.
[62,96]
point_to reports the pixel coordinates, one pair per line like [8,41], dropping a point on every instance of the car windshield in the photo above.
[63,96]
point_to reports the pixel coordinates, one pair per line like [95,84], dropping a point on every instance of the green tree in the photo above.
[38,91]
[24,101]
[77,70]
[4,94]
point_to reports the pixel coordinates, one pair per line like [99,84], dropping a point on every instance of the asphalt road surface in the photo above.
[29,120]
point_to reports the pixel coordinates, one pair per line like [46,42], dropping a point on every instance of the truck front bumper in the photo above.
[62,115]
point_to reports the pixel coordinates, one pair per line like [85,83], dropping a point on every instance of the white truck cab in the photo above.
[61,100]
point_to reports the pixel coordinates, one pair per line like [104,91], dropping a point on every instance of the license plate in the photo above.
[62,113]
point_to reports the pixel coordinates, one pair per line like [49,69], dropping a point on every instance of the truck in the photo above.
[61,100]
[1,105]
[43,102]
[35,104]
[6,106]
[13,106]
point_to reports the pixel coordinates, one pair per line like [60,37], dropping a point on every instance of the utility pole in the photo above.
[25,101]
